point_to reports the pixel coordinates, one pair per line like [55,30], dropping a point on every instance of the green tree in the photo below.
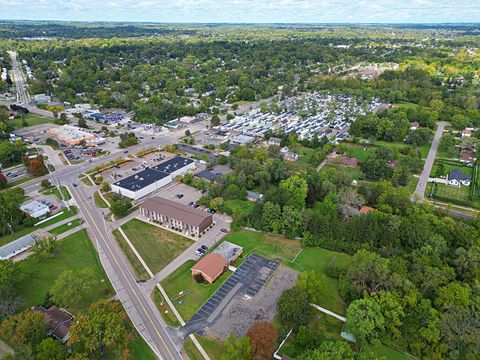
[294,307]
[294,190]
[50,349]
[237,348]
[73,287]
[365,321]
[101,330]
[44,247]
[26,329]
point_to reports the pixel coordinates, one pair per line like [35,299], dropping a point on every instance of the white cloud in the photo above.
[300,11]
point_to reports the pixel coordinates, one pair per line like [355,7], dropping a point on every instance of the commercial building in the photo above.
[147,181]
[210,267]
[35,209]
[243,139]
[73,135]
[171,214]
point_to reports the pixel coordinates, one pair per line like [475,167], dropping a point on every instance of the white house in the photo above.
[457,177]
[35,209]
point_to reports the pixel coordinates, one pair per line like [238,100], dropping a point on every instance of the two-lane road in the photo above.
[427,168]
[139,307]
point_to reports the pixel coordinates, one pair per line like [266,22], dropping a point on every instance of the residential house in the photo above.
[58,321]
[273,141]
[457,177]
[291,156]
[210,267]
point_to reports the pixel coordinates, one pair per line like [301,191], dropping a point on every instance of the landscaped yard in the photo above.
[66,214]
[196,294]
[75,252]
[156,246]
[31,119]
[360,152]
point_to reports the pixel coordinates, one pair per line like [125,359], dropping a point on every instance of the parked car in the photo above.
[190,203]
[199,253]
[179,196]
[54,207]
[196,205]
[224,230]
[74,184]
[204,247]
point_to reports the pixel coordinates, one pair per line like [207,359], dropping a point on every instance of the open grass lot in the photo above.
[136,264]
[400,146]
[65,227]
[65,194]
[139,350]
[75,252]
[304,160]
[360,152]
[99,201]
[238,207]
[386,352]
[31,119]
[265,245]
[181,280]
[352,173]
[214,348]
[156,246]
[17,234]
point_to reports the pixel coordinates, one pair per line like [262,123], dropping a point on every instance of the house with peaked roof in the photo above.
[210,267]
[58,321]
[457,177]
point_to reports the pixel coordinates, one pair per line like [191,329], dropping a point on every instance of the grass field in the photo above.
[65,227]
[136,264]
[181,280]
[265,245]
[359,152]
[400,146]
[75,252]
[238,207]
[386,352]
[22,231]
[54,191]
[99,201]
[352,173]
[165,310]
[156,246]
[139,350]
[214,348]
[31,119]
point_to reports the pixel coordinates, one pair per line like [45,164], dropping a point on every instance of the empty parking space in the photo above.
[247,281]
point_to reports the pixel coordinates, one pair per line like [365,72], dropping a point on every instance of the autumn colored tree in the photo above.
[37,167]
[263,337]
[3,181]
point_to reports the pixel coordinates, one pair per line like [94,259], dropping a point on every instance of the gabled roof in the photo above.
[58,320]
[211,265]
[174,210]
[458,175]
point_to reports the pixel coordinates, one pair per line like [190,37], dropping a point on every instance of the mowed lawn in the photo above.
[238,207]
[156,246]
[75,252]
[196,294]
[31,119]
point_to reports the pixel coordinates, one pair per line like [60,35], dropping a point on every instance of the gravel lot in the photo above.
[240,314]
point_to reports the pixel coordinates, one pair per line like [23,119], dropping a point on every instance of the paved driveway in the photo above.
[427,168]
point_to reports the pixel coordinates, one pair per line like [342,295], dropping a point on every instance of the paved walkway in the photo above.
[53,157]
[427,169]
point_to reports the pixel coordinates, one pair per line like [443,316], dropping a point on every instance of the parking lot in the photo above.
[245,282]
[15,173]
[180,193]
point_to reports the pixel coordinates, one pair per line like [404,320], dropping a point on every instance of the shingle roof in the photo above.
[211,265]
[176,211]
[458,175]
[15,247]
[58,320]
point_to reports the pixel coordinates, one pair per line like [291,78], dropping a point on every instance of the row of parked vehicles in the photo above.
[49,204]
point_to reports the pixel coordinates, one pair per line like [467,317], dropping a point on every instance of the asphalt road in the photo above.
[427,168]
[22,95]
[139,307]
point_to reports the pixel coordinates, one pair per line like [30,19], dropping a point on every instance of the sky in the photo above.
[245,11]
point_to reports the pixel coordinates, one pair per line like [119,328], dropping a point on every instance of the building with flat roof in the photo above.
[72,135]
[243,139]
[18,246]
[210,267]
[229,251]
[147,181]
[175,215]
[35,209]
